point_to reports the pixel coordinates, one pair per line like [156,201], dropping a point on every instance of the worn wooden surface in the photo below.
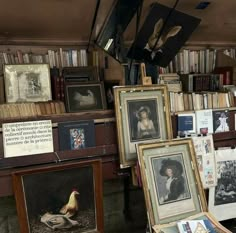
[113,202]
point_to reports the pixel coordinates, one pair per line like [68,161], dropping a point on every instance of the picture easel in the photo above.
[145,80]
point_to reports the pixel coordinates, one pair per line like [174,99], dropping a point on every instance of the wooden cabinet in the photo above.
[106,148]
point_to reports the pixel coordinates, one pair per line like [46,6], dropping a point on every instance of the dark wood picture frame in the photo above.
[87,96]
[76,135]
[41,195]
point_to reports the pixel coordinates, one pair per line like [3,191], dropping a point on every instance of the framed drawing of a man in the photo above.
[58,198]
[171,181]
[142,114]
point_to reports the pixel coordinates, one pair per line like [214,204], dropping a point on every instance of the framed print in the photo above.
[27,83]
[142,114]
[85,96]
[76,135]
[171,181]
[59,198]
[222,198]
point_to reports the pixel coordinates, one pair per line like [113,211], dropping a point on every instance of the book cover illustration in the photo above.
[186,124]
[195,226]
[204,150]
[220,121]
[204,121]
[76,135]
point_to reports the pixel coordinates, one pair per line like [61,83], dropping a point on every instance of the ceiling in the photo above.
[69,21]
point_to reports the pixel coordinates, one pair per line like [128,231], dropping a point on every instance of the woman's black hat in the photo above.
[175,165]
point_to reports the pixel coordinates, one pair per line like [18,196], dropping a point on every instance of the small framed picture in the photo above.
[59,198]
[27,83]
[142,114]
[171,182]
[76,135]
[85,96]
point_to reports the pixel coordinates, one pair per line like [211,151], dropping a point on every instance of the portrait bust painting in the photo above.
[170,180]
[143,119]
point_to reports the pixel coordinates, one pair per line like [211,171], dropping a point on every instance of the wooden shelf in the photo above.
[106,147]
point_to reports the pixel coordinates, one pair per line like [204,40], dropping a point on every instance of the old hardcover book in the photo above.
[186,124]
[76,135]
[55,83]
[204,121]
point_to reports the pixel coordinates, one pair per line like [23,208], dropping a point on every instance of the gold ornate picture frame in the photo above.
[142,114]
[171,182]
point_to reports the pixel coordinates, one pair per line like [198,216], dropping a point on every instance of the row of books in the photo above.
[181,101]
[204,122]
[202,82]
[19,110]
[55,58]
[191,61]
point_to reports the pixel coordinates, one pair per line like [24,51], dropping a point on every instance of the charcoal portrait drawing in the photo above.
[170,179]
[143,120]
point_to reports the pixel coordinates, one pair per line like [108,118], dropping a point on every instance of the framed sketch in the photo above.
[85,96]
[27,83]
[76,135]
[222,197]
[142,114]
[58,198]
[171,181]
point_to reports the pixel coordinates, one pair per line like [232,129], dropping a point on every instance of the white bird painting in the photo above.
[85,100]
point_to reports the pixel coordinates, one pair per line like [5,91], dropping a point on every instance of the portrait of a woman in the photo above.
[175,184]
[145,126]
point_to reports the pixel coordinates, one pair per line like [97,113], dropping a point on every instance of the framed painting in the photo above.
[142,114]
[58,198]
[27,83]
[85,96]
[171,181]
[76,135]
[222,197]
